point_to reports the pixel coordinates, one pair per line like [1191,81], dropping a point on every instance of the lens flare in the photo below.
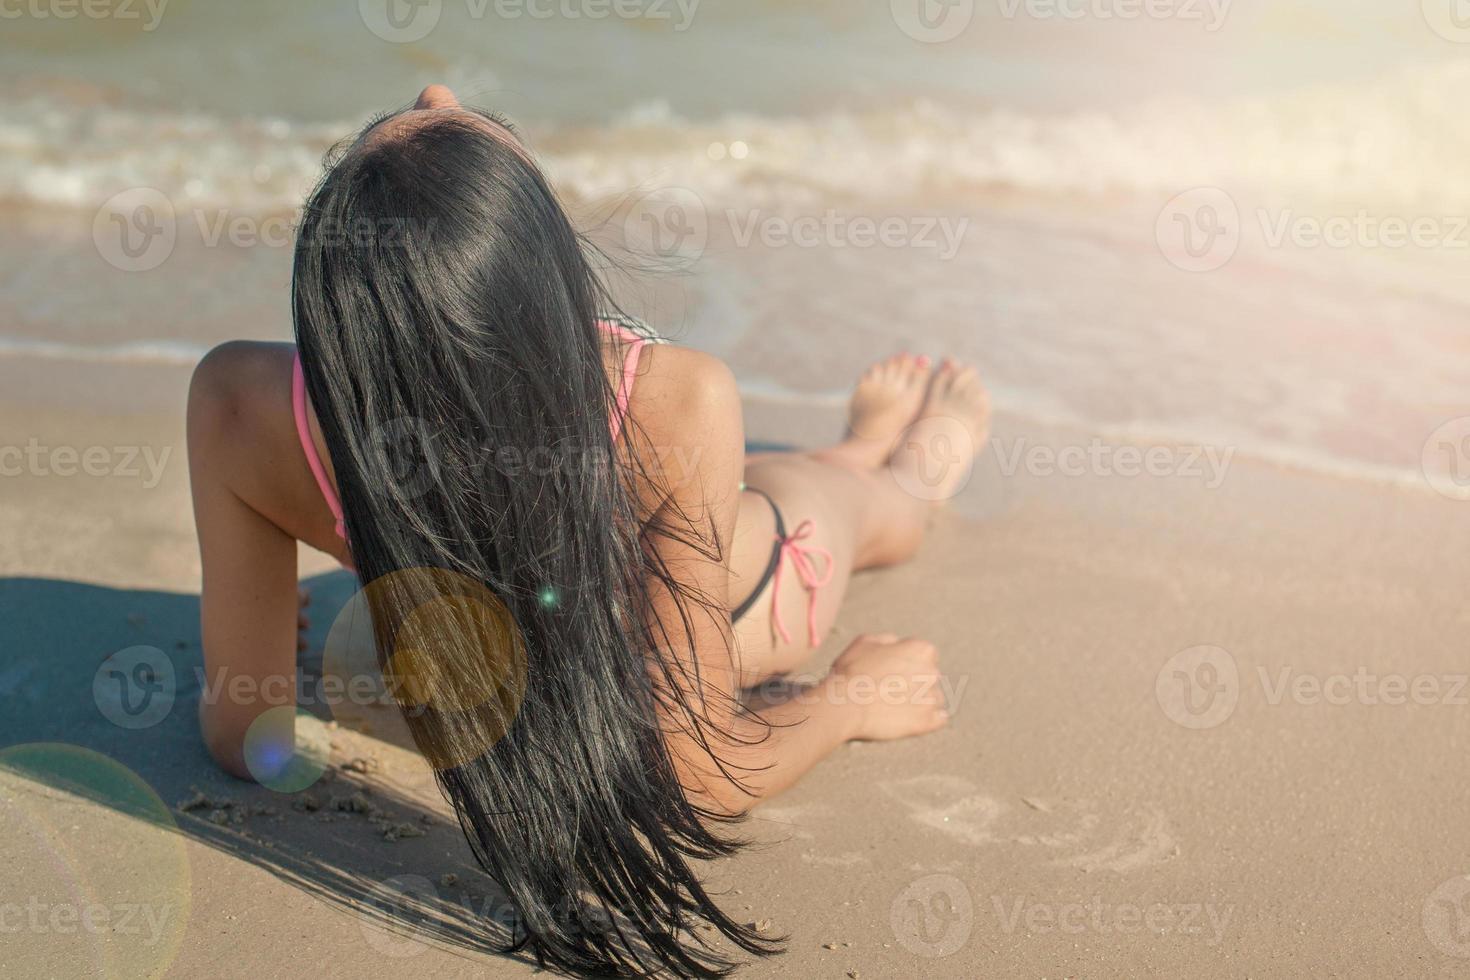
[287,749]
[98,874]
[453,663]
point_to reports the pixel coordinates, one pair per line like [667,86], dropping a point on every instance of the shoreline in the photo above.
[135,383]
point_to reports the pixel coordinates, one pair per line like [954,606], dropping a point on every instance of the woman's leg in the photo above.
[853,494]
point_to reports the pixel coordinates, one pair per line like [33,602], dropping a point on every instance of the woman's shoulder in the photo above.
[241,392]
[686,410]
[684,396]
[691,383]
[240,379]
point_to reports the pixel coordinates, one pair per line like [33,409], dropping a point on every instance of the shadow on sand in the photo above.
[322,840]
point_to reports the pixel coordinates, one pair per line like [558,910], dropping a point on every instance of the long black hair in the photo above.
[442,300]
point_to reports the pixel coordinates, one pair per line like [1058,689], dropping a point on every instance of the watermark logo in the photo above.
[418,458]
[405,901]
[400,21]
[1450,19]
[135,687]
[671,223]
[934,459]
[1445,460]
[407,446]
[933,917]
[1446,917]
[1199,230]
[138,229]
[1199,687]
[932,21]
[135,230]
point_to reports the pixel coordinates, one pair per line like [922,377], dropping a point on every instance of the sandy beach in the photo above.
[1198,731]
[1200,605]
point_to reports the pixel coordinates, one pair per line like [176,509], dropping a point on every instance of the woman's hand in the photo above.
[893,683]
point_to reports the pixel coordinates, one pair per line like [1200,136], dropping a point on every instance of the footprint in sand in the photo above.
[792,819]
[949,805]
[1147,841]
[1057,823]
[955,807]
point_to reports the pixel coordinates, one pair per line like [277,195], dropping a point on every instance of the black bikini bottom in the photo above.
[771,565]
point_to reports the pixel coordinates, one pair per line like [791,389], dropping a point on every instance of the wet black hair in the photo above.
[443,302]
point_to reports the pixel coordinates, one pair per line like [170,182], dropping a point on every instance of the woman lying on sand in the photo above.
[569,643]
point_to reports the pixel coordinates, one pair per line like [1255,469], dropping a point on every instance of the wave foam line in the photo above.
[1027,407]
[164,352]
[1031,409]
[1398,140]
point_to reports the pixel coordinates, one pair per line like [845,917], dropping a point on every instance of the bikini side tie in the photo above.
[801,559]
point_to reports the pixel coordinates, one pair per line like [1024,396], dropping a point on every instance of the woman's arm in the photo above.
[249,605]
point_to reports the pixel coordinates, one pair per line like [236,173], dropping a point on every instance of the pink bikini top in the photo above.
[636,343]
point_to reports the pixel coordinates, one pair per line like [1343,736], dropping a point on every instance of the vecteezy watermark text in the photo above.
[1117,918]
[1209,464]
[95,918]
[406,21]
[1364,687]
[122,10]
[863,690]
[1210,13]
[674,224]
[833,230]
[1201,686]
[125,462]
[137,229]
[1200,230]
[938,21]
[416,456]
[1363,229]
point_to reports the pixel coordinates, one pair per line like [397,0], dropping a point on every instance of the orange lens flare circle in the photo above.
[452,658]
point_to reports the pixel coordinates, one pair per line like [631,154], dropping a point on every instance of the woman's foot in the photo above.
[936,454]
[884,404]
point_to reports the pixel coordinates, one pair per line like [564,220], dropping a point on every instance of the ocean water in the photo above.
[1239,223]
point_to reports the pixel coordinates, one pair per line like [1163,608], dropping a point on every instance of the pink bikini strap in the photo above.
[314,460]
[308,445]
[800,558]
[630,370]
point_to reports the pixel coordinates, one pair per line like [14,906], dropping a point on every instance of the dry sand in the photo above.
[1064,825]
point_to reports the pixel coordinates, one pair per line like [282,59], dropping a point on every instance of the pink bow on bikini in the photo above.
[801,559]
